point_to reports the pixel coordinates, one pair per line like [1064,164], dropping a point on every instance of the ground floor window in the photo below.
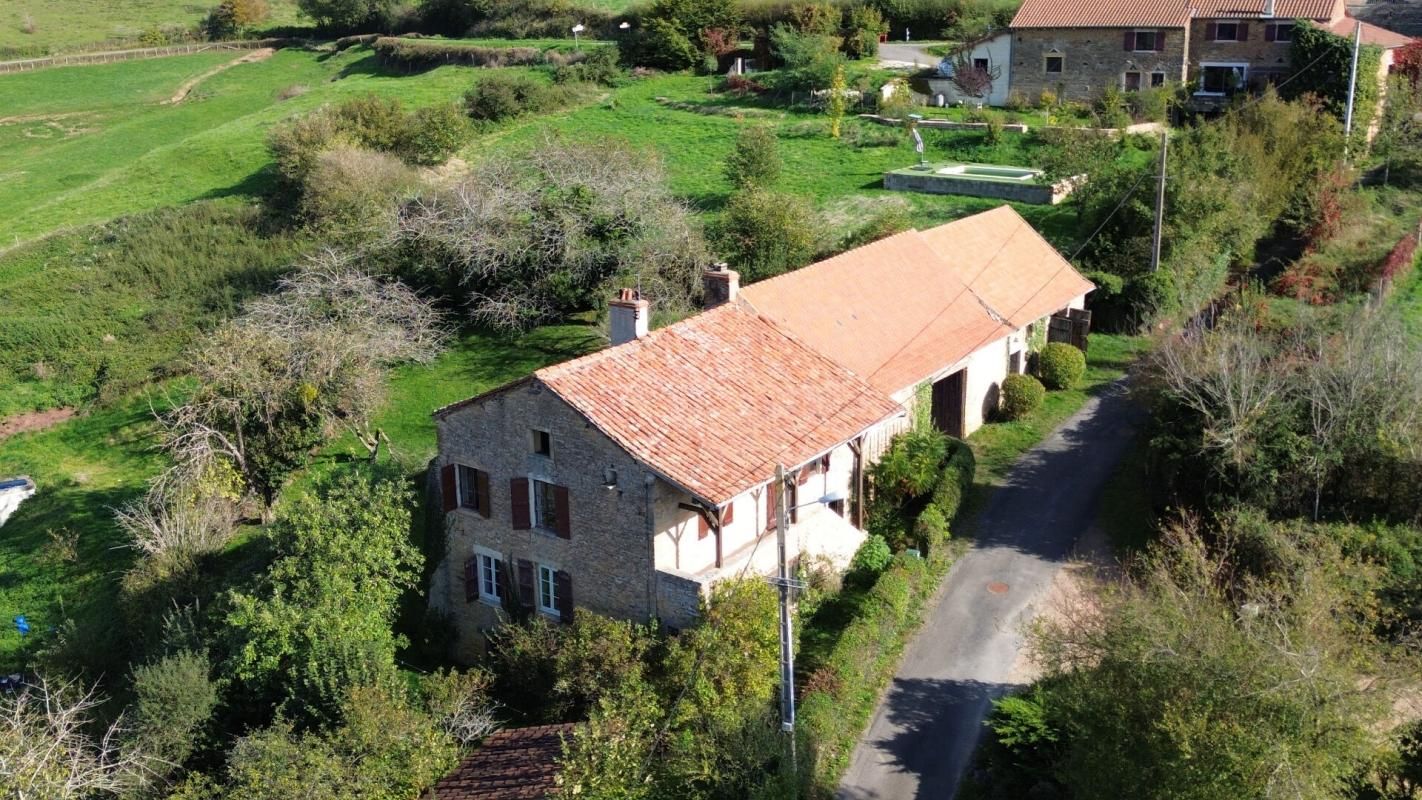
[1222,79]
[547,590]
[491,576]
[1157,79]
[1133,81]
[1054,64]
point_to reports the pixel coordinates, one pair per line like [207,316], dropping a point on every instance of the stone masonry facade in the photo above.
[1092,59]
[1266,59]
[607,553]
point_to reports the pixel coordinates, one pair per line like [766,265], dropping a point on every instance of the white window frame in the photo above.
[459,487]
[1236,23]
[538,594]
[1153,84]
[534,518]
[1243,78]
[480,555]
[1048,57]
[1136,39]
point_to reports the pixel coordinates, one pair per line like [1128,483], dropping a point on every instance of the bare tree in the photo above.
[534,236]
[971,78]
[297,364]
[173,522]
[47,751]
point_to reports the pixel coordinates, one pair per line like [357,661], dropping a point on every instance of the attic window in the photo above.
[542,443]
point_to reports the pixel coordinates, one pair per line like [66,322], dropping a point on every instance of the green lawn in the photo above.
[120,150]
[60,25]
[1408,299]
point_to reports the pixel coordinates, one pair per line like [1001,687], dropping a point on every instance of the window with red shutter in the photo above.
[1160,41]
[449,492]
[1242,32]
[728,515]
[563,518]
[1130,41]
[564,593]
[702,528]
[481,491]
[772,498]
[518,502]
[525,583]
[471,580]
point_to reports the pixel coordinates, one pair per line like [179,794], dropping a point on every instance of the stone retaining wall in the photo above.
[930,183]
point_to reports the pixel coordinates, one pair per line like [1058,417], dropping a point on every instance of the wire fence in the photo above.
[108,56]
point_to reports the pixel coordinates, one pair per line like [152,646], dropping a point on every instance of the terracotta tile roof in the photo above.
[1027,280]
[1102,14]
[1283,9]
[905,307]
[713,402]
[514,764]
[1372,34]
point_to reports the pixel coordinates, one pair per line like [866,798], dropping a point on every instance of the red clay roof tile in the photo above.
[514,764]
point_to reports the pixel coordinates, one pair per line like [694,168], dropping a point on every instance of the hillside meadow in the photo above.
[61,25]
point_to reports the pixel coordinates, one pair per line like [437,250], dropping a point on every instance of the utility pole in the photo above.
[787,653]
[1352,86]
[1159,204]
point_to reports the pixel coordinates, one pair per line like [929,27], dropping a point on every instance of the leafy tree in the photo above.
[766,233]
[676,34]
[319,622]
[862,28]
[346,15]
[755,159]
[174,699]
[235,17]
[810,59]
[1331,57]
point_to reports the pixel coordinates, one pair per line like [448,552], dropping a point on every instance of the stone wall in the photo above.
[1264,58]
[930,183]
[1093,58]
[608,554]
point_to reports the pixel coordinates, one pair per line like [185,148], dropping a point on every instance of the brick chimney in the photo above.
[719,285]
[627,317]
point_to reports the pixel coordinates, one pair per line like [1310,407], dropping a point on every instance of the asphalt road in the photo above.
[922,736]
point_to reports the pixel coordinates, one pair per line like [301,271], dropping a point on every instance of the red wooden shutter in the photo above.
[525,583]
[481,491]
[702,528]
[728,515]
[1211,32]
[1130,40]
[1271,33]
[792,499]
[471,579]
[1160,41]
[448,489]
[825,462]
[518,501]
[560,509]
[1241,32]
[563,586]
[772,499]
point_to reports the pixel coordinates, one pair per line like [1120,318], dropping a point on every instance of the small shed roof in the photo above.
[513,764]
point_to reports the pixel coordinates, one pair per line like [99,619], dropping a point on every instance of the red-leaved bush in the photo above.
[1399,261]
[1408,61]
[741,85]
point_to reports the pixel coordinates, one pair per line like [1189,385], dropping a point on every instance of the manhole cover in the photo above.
[997,587]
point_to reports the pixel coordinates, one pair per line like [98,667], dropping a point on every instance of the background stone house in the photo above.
[631,480]
[1076,50]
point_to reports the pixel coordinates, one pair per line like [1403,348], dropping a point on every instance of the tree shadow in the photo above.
[938,724]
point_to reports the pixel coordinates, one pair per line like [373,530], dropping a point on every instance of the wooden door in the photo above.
[949,402]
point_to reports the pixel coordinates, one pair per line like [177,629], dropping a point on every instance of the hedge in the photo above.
[835,712]
[399,52]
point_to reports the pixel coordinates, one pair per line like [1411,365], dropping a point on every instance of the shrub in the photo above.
[352,190]
[499,96]
[1046,99]
[931,529]
[1111,109]
[598,66]
[661,45]
[862,27]
[1017,101]
[872,558]
[435,133]
[414,54]
[233,17]
[955,481]
[1021,395]
[766,233]
[992,134]
[375,122]
[912,465]
[346,15]
[755,159]
[295,145]
[1151,104]
[810,59]
[1060,365]
[174,698]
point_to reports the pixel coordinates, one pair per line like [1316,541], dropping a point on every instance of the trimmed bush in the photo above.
[174,698]
[501,96]
[1021,395]
[931,529]
[435,133]
[871,559]
[956,480]
[1060,365]
[911,466]
[351,190]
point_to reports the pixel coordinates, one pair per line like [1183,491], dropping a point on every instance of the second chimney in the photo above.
[1268,9]
[627,317]
[719,285]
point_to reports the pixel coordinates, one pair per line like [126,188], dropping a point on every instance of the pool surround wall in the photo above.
[933,181]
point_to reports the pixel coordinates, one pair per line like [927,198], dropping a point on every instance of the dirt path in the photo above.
[33,421]
[179,96]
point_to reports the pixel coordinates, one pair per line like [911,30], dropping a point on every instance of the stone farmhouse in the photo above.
[1077,49]
[631,480]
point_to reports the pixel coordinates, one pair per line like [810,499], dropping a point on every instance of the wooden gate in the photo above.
[948,403]
[1072,327]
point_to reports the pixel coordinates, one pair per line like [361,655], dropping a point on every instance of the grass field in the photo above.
[60,25]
